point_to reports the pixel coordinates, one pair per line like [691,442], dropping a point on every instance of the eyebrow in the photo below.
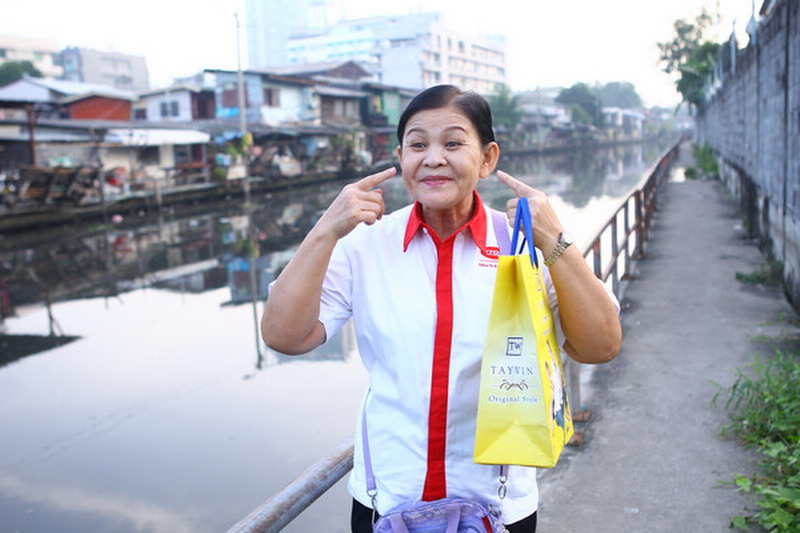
[417,129]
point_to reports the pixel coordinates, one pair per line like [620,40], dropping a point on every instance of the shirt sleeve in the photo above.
[337,289]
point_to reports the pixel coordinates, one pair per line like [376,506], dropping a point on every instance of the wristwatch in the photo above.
[564,241]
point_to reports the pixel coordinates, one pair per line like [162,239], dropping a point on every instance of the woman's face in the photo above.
[442,159]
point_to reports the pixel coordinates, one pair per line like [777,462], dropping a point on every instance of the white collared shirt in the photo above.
[398,299]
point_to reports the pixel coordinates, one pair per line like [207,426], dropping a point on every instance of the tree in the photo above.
[695,72]
[581,96]
[579,114]
[691,56]
[688,36]
[619,94]
[12,71]
[506,108]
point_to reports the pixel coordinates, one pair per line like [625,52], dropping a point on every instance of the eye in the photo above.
[417,145]
[452,144]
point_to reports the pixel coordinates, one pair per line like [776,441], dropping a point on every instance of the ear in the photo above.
[491,154]
[399,153]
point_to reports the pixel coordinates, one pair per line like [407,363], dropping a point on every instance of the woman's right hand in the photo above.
[290,323]
[357,202]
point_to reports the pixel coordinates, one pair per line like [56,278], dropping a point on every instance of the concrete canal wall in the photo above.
[752,122]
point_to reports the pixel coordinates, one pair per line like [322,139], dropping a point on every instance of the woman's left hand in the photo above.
[543,217]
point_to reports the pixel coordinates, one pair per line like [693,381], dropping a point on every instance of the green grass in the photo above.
[764,409]
[690,173]
[706,160]
[770,273]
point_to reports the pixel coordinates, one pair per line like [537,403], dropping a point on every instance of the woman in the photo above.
[418,284]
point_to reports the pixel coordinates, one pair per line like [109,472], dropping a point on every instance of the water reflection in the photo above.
[156,418]
[191,252]
[162,415]
[578,176]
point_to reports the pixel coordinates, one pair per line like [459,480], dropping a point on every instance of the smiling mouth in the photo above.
[435,180]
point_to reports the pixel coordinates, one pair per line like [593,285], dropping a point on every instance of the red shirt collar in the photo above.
[476,225]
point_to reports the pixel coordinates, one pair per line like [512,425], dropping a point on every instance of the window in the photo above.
[116,64]
[149,155]
[182,153]
[169,108]
[272,97]
[230,96]
[123,82]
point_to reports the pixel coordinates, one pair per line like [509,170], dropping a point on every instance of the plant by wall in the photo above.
[765,414]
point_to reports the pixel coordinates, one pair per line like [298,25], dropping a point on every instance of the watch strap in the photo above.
[557,251]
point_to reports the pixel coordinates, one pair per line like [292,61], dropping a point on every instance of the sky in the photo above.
[549,43]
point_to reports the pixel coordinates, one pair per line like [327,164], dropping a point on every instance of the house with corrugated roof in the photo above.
[183,102]
[58,98]
[64,123]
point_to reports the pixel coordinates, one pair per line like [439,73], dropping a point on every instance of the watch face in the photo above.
[566,237]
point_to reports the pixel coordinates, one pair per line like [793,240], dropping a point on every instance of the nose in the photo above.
[434,157]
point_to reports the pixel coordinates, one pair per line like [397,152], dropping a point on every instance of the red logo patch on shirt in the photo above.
[492,252]
[489,257]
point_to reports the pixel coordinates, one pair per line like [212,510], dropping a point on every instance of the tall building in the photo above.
[40,52]
[413,51]
[270,23]
[107,68]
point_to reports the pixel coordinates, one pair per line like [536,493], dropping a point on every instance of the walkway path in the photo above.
[653,457]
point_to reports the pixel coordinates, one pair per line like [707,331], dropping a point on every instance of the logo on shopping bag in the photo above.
[508,385]
[514,346]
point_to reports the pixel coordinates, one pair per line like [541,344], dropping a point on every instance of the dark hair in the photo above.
[473,105]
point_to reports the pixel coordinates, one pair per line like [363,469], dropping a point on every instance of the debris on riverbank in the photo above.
[14,347]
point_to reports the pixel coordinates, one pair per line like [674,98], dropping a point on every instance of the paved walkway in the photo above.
[653,457]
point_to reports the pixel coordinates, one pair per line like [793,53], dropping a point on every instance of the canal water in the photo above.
[164,413]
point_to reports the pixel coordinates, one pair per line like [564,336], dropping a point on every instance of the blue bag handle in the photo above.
[523,219]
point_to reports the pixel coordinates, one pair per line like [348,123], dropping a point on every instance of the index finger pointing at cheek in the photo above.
[373,180]
[519,188]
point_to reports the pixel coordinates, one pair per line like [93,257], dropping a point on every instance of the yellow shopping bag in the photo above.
[523,414]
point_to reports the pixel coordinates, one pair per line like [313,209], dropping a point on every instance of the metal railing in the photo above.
[623,236]
[276,513]
[635,215]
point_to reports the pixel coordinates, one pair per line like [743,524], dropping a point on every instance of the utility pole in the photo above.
[30,110]
[252,247]
[242,111]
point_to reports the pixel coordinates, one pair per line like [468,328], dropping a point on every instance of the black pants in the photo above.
[361,521]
